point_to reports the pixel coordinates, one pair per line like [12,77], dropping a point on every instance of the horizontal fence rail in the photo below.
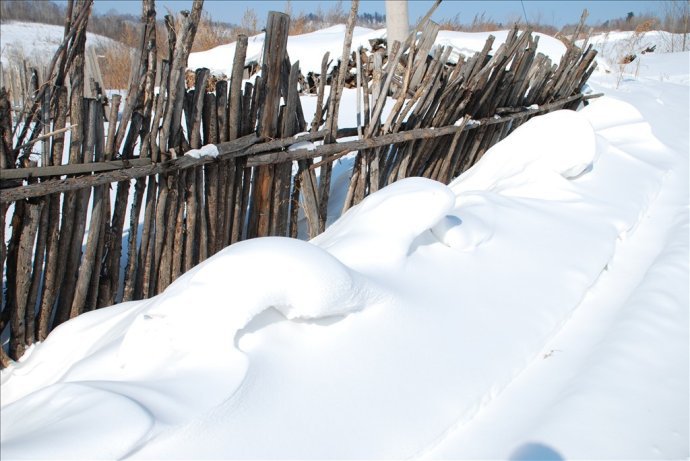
[121,170]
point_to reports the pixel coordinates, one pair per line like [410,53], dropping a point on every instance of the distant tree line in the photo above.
[32,11]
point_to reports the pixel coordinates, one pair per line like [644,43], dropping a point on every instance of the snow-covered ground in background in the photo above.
[469,43]
[667,61]
[37,42]
[535,308]
[310,48]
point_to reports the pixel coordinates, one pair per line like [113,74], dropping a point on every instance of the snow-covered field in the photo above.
[666,62]
[310,48]
[37,42]
[535,308]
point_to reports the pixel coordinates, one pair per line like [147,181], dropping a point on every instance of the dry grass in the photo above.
[250,23]
[646,26]
[115,65]
[299,24]
[116,60]
[632,46]
[483,23]
[210,34]
[480,23]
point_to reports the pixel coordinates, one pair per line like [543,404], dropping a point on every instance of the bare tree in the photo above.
[676,20]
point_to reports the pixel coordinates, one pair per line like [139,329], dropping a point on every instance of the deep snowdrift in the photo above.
[536,305]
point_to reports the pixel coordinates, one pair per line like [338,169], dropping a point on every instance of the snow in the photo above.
[665,63]
[504,171]
[37,42]
[302,145]
[469,43]
[209,150]
[535,307]
[301,47]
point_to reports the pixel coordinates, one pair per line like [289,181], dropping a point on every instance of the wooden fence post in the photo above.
[71,231]
[275,48]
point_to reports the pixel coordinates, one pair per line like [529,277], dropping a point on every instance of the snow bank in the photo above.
[375,235]
[419,301]
[38,42]
[157,341]
[536,171]
[469,43]
[301,47]
[619,369]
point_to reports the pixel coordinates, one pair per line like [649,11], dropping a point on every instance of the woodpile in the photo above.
[184,208]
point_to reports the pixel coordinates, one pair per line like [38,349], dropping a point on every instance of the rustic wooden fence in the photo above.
[184,208]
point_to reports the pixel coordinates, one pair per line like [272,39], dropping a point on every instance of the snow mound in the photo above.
[296,278]
[535,157]
[261,273]
[469,226]
[73,408]
[191,326]
[373,235]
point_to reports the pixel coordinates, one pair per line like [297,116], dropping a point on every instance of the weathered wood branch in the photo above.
[256,154]
[45,136]
[226,150]
[146,168]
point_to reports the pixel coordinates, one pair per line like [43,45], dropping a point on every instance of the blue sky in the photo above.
[554,12]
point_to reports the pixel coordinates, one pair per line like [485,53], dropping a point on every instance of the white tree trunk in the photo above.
[397,22]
